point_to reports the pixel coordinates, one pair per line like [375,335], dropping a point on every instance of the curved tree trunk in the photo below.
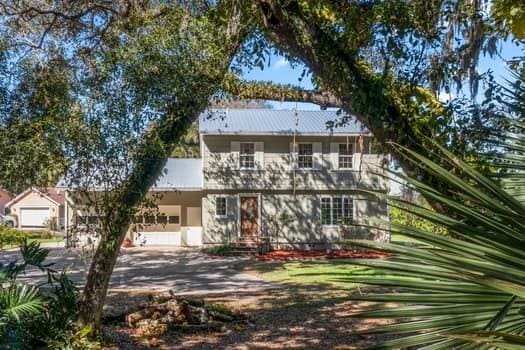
[148,165]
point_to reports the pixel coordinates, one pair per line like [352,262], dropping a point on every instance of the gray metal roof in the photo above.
[178,174]
[278,122]
[181,174]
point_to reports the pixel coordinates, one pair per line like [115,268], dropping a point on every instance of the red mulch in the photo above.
[320,254]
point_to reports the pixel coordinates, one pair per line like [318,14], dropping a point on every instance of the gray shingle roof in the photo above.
[279,122]
[181,174]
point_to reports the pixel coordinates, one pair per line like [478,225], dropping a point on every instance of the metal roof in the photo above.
[278,122]
[181,174]
[177,174]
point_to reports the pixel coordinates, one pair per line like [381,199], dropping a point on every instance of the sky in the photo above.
[278,70]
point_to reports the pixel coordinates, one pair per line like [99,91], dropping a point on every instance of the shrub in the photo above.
[11,237]
[39,317]
[400,216]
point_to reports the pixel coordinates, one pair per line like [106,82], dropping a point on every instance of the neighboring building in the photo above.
[38,208]
[268,175]
[5,197]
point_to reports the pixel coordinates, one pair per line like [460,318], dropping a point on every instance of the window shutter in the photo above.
[334,155]
[356,161]
[293,155]
[259,155]
[235,150]
[318,155]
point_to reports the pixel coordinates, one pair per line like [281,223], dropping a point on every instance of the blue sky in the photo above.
[280,71]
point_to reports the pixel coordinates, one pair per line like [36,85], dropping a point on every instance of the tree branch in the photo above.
[265,90]
[394,111]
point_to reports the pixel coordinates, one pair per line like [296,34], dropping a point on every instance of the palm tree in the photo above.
[464,290]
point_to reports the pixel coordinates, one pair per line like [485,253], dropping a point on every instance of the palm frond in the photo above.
[465,290]
[19,301]
[34,255]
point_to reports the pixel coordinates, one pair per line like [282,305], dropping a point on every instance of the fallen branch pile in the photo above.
[179,314]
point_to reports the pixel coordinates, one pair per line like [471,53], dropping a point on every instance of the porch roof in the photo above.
[180,174]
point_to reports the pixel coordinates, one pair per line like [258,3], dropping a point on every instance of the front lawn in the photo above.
[44,237]
[307,273]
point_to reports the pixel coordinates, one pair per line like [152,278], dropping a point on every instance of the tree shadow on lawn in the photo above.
[315,314]
[329,273]
[287,318]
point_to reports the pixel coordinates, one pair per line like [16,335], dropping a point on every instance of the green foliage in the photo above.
[398,215]
[465,290]
[18,302]
[510,16]
[39,317]
[40,116]
[11,237]
[189,144]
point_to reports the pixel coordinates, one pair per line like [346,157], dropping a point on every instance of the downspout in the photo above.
[294,148]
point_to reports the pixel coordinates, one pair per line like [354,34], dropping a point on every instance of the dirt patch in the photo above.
[309,319]
[320,254]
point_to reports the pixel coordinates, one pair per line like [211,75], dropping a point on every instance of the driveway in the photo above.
[182,270]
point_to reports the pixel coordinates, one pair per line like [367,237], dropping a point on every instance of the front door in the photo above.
[249,216]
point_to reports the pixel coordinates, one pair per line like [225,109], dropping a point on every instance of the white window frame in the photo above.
[299,155]
[350,156]
[225,206]
[331,224]
[253,155]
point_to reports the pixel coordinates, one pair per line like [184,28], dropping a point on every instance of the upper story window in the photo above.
[220,206]
[345,156]
[247,155]
[337,210]
[305,156]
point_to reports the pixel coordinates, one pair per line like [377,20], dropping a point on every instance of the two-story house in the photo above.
[291,176]
[288,177]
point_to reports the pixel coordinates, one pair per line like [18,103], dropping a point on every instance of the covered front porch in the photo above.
[176,221]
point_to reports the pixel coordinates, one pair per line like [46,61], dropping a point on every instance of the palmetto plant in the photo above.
[464,290]
[31,318]
[19,303]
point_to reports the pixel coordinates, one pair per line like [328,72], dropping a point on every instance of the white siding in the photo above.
[259,155]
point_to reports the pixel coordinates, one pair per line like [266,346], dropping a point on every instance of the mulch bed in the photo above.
[320,254]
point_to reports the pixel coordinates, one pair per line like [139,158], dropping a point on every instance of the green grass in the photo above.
[308,283]
[32,237]
[45,240]
[307,273]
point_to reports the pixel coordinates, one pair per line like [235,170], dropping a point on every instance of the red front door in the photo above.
[249,217]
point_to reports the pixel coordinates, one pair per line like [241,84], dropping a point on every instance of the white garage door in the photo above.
[34,217]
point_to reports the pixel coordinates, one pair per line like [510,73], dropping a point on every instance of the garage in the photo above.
[38,208]
[34,217]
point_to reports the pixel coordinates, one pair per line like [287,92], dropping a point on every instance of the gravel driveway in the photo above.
[183,270]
